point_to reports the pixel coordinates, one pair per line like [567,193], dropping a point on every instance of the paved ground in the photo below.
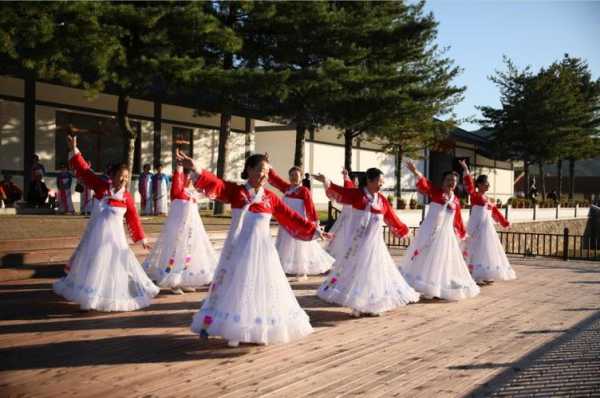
[537,335]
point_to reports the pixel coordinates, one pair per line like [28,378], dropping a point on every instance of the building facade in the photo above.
[34,117]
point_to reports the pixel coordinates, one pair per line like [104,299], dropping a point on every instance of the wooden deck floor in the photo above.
[490,344]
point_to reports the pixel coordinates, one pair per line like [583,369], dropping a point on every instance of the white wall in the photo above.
[501,182]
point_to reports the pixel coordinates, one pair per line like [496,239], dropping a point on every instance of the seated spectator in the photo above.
[12,192]
[38,191]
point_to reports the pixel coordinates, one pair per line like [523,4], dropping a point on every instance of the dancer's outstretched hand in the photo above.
[463,164]
[326,236]
[410,165]
[186,161]
[320,177]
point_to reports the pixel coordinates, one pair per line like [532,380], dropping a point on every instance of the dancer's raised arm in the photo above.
[423,184]
[467,178]
[178,184]
[338,193]
[206,182]
[277,181]
[347,180]
[82,168]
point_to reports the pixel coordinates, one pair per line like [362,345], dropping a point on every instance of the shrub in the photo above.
[412,203]
[401,203]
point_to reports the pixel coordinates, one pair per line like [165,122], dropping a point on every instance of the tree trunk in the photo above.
[527,182]
[224,133]
[29,136]
[398,176]
[348,138]
[571,178]
[542,180]
[127,131]
[559,175]
[300,138]
[225,126]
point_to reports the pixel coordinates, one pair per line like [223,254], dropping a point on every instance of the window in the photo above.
[99,140]
[182,139]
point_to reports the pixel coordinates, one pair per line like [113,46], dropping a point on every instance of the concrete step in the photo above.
[46,258]
[41,256]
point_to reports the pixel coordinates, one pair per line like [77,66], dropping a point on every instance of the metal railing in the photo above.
[564,246]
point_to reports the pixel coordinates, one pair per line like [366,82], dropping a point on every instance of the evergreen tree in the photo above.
[397,81]
[546,116]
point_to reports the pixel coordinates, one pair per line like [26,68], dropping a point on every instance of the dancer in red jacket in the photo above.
[250,299]
[434,263]
[183,258]
[104,273]
[485,254]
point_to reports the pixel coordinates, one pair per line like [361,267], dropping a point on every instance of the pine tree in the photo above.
[397,81]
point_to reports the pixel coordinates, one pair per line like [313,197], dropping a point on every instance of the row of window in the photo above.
[103,144]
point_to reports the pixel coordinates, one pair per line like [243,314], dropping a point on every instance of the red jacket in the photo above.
[479,199]
[178,184]
[237,195]
[358,200]
[301,193]
[437,195]
[101,188]
[348,182]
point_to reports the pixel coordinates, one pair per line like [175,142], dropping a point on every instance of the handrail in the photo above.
[529,244]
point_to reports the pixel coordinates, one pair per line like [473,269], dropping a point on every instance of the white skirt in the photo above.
[300,257]
[161,205]
[486,258]
[250,299]
[434,263]
[183,254]
[339,231]
[365,278]
[105,274]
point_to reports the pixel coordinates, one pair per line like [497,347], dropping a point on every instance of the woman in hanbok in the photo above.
[64,181]
[104,273]
[182,258]
[86,199]
[160,192]
[250,299]
[364,276]
[339,229]
[299,257]
[485,255]
[434,263]
[145,190]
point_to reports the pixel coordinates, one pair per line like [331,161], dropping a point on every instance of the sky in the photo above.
[530,32]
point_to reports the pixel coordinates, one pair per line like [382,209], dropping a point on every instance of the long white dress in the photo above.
[86,199]
[340,229]
[434,263]
[104,273]
[365,278]
[65,199]
[160,193]
[250,299]
[183,255]
[486,258]
[299,257]
[145,190]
